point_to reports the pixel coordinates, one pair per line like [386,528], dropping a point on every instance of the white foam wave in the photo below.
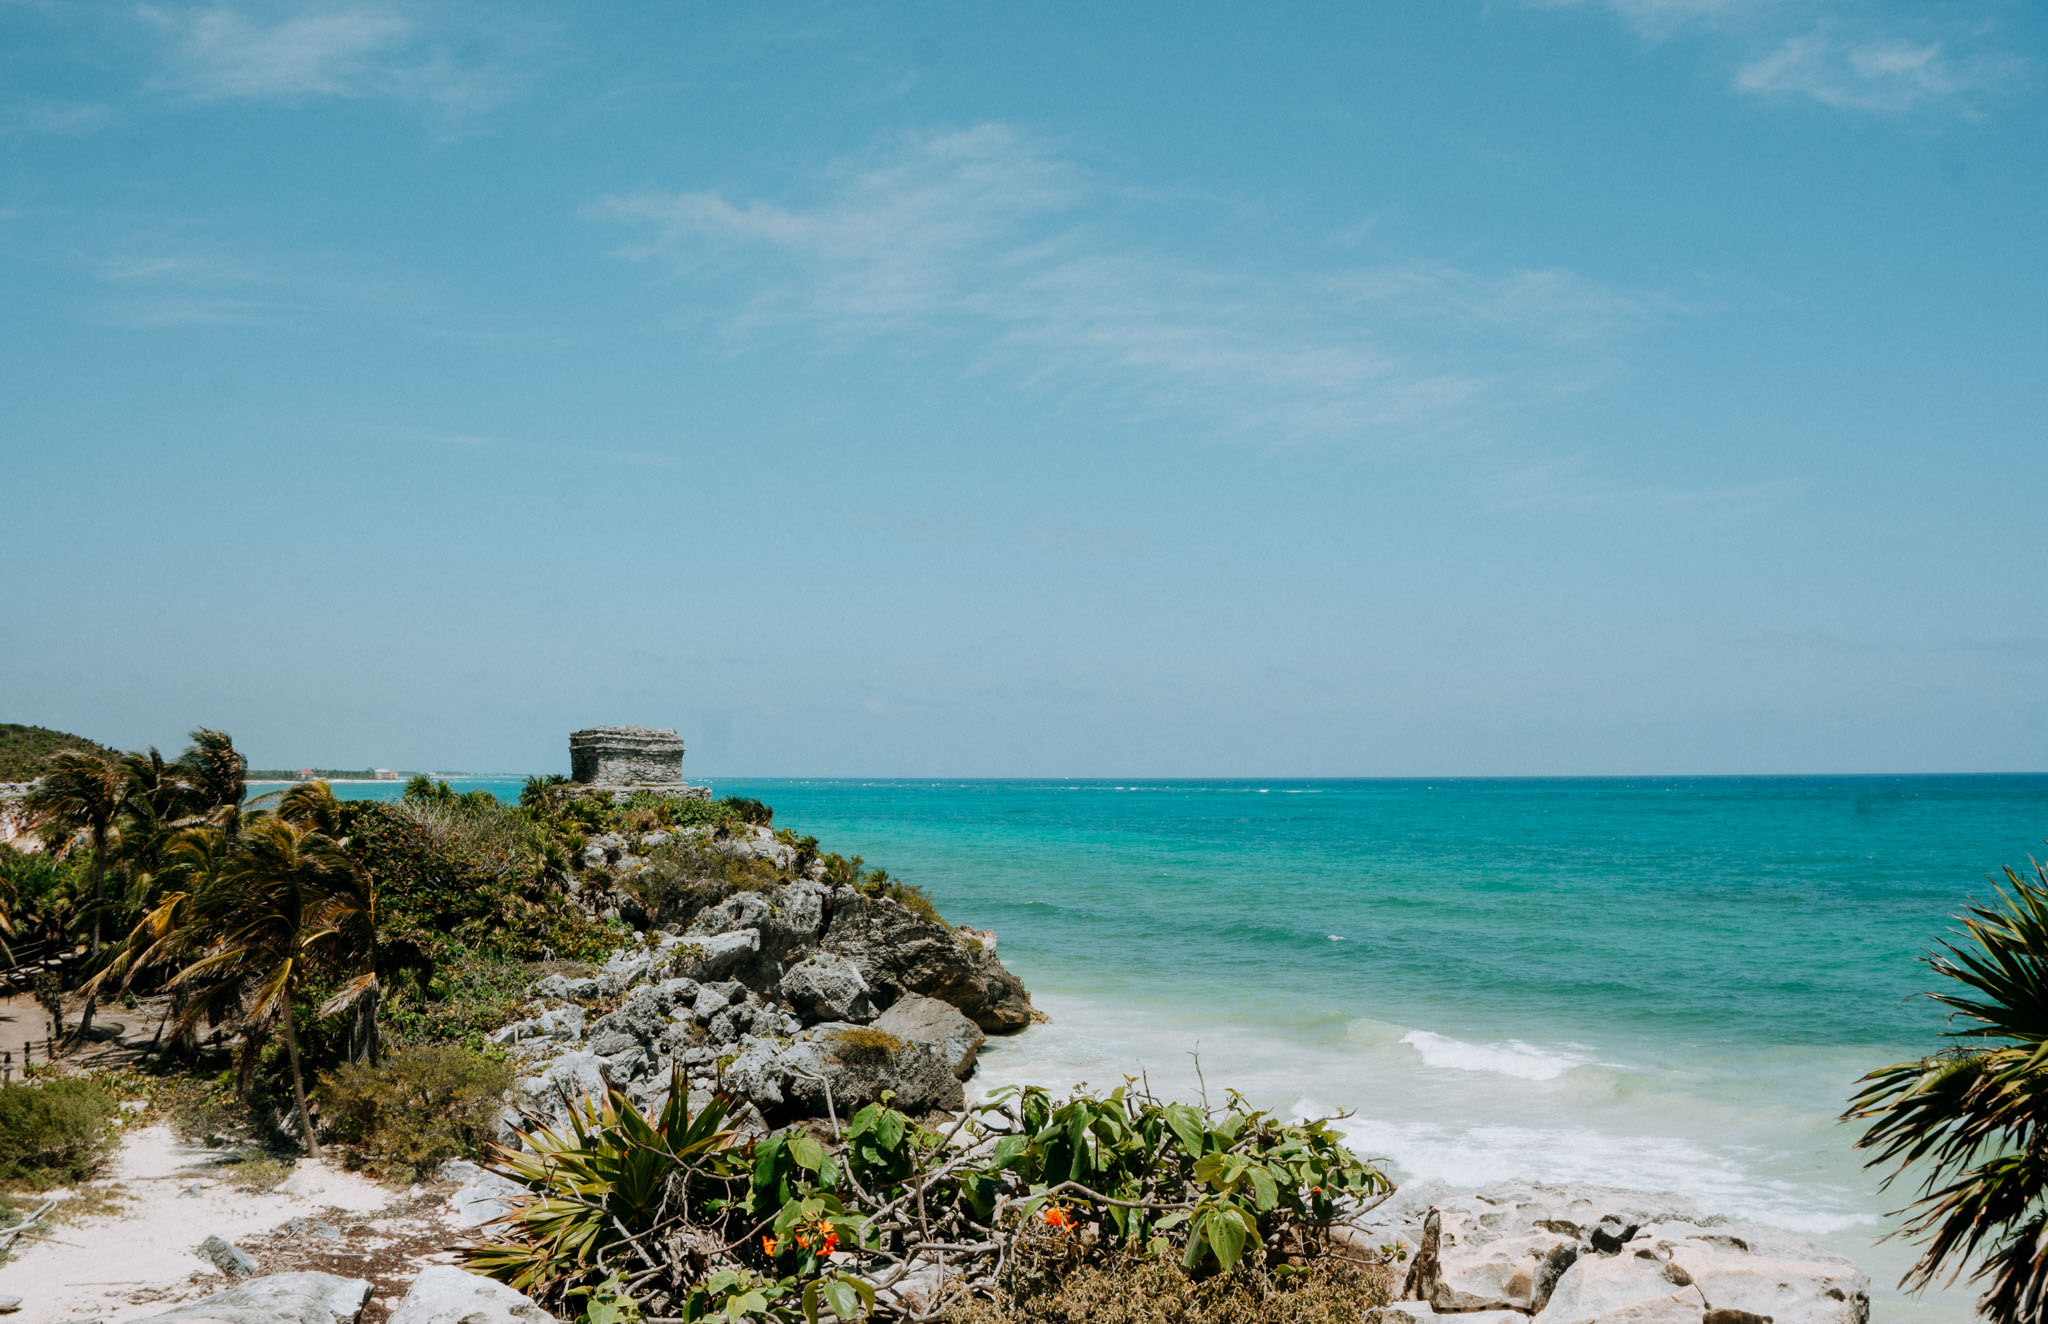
[1512,1058]
[1721,1180]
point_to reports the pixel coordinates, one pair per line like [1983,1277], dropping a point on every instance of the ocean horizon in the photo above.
[1649,982]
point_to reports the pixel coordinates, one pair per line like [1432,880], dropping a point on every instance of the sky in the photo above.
[1406,388]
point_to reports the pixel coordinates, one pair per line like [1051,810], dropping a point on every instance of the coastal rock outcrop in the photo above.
[1592,1255]
[797,995]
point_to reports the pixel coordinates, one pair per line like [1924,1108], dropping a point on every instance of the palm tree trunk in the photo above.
[291,1050]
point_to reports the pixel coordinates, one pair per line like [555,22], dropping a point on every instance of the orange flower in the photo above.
[768,1245]
[1058,1218]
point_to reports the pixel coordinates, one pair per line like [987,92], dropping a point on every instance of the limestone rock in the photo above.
[1739,1267]
[715,956]
[829,988]
[791,1078]
[1628,1287]
[227,1257]
[1498,1273]
[281,1298]
[561,1024]
[898,952]
[443,1294]
[917,1019]
[482,1194]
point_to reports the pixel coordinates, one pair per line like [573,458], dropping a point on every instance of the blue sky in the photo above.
[1389,388]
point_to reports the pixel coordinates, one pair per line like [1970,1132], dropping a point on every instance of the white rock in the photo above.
[443,1294]
[1764,1272]
[281,1298]
[1624,1288]
[1495,1272]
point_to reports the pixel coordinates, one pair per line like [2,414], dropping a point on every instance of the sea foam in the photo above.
[1512,1058]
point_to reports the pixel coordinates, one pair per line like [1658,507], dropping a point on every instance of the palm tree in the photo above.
[1976,1113]
[280,908]
[78,794]
[218,776]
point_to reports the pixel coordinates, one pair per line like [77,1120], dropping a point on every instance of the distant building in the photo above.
[386,775]
[305,774]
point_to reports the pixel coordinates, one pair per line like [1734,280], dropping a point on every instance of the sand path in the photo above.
[141,1258]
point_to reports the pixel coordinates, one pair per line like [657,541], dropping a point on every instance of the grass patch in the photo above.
[254,1171]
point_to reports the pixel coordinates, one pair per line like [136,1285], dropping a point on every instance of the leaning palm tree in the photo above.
[79,795]
[275,914]
[1976,1113]
[217,774]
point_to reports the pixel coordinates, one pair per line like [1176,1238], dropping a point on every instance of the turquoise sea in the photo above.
[1668,982]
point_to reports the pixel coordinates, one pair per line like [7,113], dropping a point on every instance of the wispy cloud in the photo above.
[433,56]
[1879,74]
[1850,56]
[993,242]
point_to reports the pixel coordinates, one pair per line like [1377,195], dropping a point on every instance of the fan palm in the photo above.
[1976,1113]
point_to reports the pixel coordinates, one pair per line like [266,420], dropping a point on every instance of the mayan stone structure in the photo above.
[626,756]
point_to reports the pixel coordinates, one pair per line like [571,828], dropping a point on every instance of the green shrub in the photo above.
[748,810]
[54,1131]
[423,1106]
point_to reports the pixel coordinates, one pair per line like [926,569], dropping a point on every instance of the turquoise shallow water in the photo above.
[1646,982]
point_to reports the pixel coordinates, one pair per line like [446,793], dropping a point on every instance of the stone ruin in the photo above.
[608,759]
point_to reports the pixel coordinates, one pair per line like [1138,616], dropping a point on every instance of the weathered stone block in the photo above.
[626,756]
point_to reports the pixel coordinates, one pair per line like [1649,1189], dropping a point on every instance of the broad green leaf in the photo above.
[1186,1122]
[807,1152]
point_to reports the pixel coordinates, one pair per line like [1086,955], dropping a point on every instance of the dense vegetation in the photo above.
[1974,1116]
[24,749]
[361,951]
[684,1215]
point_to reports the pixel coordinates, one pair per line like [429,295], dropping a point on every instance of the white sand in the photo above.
[92,1269]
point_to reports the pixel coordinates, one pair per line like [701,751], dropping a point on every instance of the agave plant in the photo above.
[615,1190]
[1975,1115]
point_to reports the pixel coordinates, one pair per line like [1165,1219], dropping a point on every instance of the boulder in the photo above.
[569,1078]
[1629,1287]
[281,1298]
[1498,1273]
[482,1195]
[715,956]
[227,1257]
[917,1019]
[1419,1312]
[898,952]
[796,919]
[1744,1269]
[828,987]
[562,1024]
[443,1294]
[791,1078]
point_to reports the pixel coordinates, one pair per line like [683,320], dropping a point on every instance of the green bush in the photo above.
[748,810]
[54,1131]
[423,1106]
